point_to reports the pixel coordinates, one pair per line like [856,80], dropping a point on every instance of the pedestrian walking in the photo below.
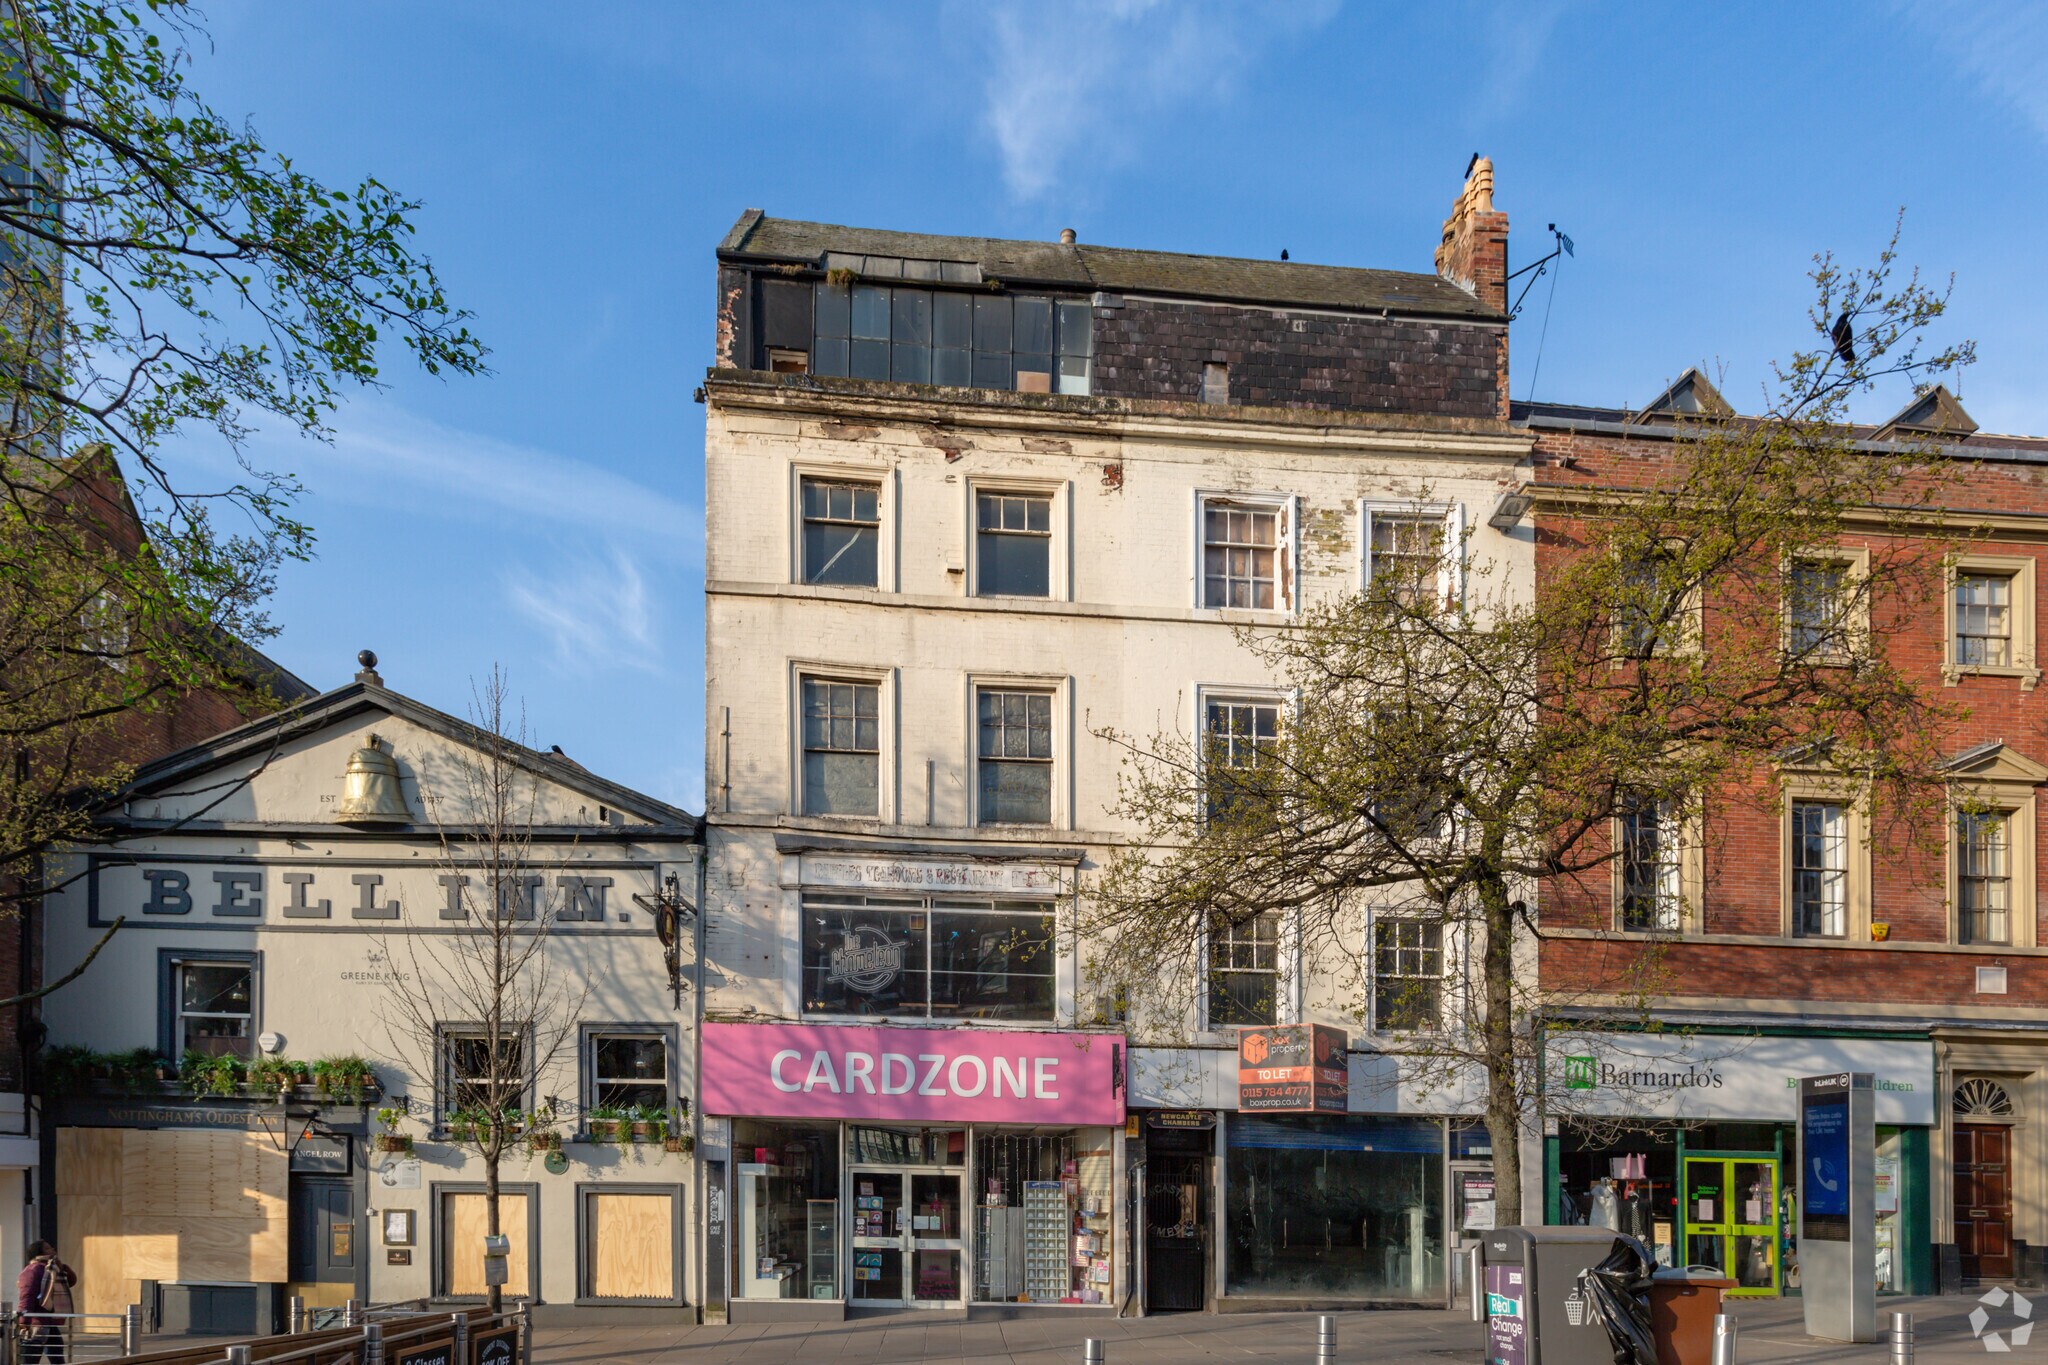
[42,1298]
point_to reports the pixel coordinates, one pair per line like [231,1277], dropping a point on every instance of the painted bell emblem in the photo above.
[370,793]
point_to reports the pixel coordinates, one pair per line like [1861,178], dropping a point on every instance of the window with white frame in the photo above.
[214,1007]
[1407,974]
[1406,555]
[1820,868]
[628,1072]
[1984,876]
[1652,865]
[1817,599]
[842,532]
[842,747]
[480,1074]
[1983,620]
[1013,756]
[1239,737]
[1012,544]
[1244,971]
[1245,555]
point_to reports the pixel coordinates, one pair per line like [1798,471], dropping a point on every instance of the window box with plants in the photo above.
[605,1123]
[390,1139]
[208,1074]
[541,1133]
[279,1075]
[70,1070]
[344,1080]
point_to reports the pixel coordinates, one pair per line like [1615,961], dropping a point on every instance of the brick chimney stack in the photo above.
[1474,252]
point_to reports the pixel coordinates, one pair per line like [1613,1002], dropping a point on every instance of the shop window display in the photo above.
[1629,1183]
[1335,1207]
[787,1206]
[1042,1221]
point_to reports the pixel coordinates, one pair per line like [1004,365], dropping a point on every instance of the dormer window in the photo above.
[865,329]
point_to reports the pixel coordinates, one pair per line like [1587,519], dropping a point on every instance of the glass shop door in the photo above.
[906,1249]
[1731,1220]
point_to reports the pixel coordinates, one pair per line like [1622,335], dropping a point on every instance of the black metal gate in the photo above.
[1176,1232]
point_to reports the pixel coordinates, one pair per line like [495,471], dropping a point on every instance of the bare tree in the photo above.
[486,1010]
[1444,763]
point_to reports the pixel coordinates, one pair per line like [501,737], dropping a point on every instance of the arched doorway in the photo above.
[1983,1112]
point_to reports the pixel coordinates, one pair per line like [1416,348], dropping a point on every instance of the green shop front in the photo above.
[1687,1141]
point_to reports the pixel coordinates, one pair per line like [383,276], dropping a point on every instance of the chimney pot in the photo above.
[1067,237]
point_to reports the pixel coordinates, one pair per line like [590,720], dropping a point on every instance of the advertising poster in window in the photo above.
[1824,1158]
[1293,1069]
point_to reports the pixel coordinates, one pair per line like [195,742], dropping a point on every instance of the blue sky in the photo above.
[579,163]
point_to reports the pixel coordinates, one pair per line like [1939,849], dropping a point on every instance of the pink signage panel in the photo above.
[930,1075]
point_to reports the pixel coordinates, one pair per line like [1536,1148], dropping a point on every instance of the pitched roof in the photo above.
[1932,412]
[329,708]
[1689,395]
[1083,266]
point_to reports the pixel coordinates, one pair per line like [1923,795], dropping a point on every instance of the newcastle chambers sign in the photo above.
[1728,1076]
[249,893]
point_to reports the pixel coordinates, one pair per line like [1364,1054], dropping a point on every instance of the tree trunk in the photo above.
[1497,1049]
[494,1296]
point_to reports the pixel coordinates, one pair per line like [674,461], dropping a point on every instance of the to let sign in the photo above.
[1292,1069]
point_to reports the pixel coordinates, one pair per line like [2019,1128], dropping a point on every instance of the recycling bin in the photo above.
[1683,1305]
[1537,1310]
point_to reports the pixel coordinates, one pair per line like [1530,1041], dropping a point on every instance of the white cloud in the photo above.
[594,610]
[1067,75]
[383,455]
[2001,44]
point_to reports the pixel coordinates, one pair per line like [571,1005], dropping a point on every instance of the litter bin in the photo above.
[1539,1310]
[1683,1304]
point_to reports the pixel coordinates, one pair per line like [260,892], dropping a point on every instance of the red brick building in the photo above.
[1790,938]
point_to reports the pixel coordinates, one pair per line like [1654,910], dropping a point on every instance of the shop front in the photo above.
[1246,1208]
[882,1167]
[1687,1142]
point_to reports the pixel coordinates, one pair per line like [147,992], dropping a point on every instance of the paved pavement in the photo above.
[1771,1331]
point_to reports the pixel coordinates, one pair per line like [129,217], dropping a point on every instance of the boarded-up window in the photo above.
[146,1204]
[463,1219]
[629,1246]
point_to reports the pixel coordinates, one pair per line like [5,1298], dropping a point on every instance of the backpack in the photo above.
[54,1296]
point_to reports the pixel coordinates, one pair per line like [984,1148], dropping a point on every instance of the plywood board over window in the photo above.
[629,1246]
[464,1216]
[142,1204]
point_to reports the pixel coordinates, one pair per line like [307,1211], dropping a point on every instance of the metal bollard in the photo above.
[460,1323]
[295,1317]
[1724,1339]
[238,1355]
[9,1352]
[1326,1340]
[526,1332]
[131,1330]
[1475,1288]
[352,1313]
[1902,1339]
[1091,1351]
[373,1344]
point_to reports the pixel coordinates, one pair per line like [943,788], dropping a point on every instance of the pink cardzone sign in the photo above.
[950,1075]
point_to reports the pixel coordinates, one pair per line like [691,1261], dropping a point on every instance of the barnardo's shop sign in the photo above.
[935,1075]
[1722,1076]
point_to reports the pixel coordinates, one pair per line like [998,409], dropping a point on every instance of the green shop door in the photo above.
[1731,1219]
